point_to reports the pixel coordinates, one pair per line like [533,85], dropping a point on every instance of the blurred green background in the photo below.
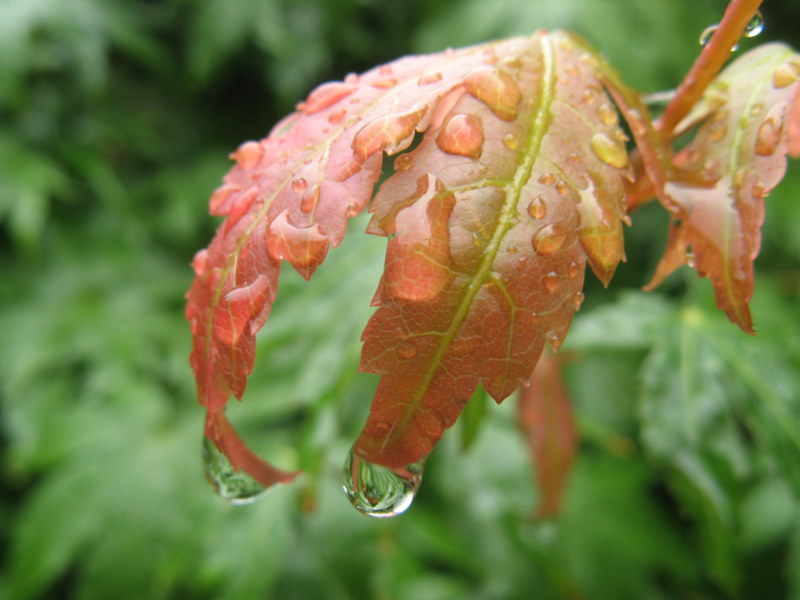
[116,118]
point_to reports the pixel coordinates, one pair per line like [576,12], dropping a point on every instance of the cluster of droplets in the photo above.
[235,486]
[753,28]
[379,491]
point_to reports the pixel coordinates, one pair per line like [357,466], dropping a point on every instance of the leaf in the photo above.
[491,219]
[737,157]
[545,416]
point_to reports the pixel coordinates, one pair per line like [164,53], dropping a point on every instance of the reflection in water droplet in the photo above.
[537,208]
[378,491]
[237,487]
[612,152]
[462,135]
[549,239]
[404,162]
[755,26]
[785,74]
[299,185]
[767,137]
[407,349]
[552,281]
[707,33]
[607,114]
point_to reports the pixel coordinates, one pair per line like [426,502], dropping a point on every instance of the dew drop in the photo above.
[462,135]
[299,185]
[534,318]
[691,260]
[588,95]
[555,340]
[785,74]
[384,83]
[573,269]
[237,487]
[562,187]
[547,179]
[428,78]
[537,209]
[552,281]
[497,89]
[404,162]
[510,141]
[378,491]
[248,154]
[607,114]
[707,33]
[578,299]
[767,137]
[759,191]
[309,200]
[549,239]
[407,350]
[755,26]
[610,151]
[199,262]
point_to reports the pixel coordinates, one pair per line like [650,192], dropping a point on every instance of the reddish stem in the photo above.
[714,55]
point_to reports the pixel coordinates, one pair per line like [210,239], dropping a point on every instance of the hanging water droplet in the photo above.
[610,151]
[755,26]
[549,239]
[537,209]
[378,491]
[577,300]
[707,33]
[552,281]
[555,340]
[237,487]
[404,162]
[785,74]
[462,135]
[607,114]
[767,137]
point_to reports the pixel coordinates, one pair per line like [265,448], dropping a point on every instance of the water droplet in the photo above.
[510,141]
[552,281]
[562,187]
[716,131]
[462,135]
[555,340]
[378,491]
[497,89]
[612,152]
[299,185]
[428,78]
[785,74]
[547,179]
[578,299]
[607,114]
[691,260]
[407,349]
[385,70]
[549,239]
[337,117]
[237,487]
[404,162]
[309,200]
[384,83]
[767,137]
[573,269]
[199,262]
[391,133]
[326,96]
[537,208]
[757,109]
[707,33]
[512,250]
[759,191]
[755,26]
[589,95]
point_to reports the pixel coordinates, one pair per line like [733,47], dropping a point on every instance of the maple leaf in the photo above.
[716,194]
[514,186]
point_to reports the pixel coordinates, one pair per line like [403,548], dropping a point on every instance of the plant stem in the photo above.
[714,55]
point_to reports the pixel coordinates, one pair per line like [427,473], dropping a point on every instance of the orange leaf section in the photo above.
[290,195]
[516,185]
[546,420]
[716,195]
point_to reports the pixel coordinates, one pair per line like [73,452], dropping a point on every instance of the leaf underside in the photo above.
[717,188]
[515,185]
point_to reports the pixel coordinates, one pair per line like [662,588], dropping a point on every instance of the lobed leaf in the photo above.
[716,196]
[491,219]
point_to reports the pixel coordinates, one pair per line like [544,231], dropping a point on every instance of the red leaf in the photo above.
[736,158]
[514,187]
[545,416]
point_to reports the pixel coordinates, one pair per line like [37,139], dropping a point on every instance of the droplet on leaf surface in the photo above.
[237,487]
[537,209]
[462,135]
[610,151]
[326,96]
[549,239]
[378,491]
[786,74]
[767,137]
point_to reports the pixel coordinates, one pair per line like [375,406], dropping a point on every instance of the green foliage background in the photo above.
[116,118]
